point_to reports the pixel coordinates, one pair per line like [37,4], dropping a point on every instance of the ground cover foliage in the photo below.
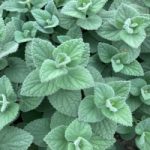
[74,75]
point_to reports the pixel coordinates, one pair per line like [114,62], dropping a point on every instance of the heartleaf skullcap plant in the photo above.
[74,74]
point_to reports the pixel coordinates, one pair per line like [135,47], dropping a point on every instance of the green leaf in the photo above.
[9,37]
[133,53]
[38,129]
[83,6]
[66,22]
[16,70]
[118,111]
[2,29]
[121,88]
[142,126]
[97,5]
[143,21]
[145,94]
[70,10]
[9,115]
[41,50]
[77,78]
[133,69]
[124,12]
[102,92]
[116,65]
[32,86]
[109,31]
[71,146]
[56,140]
[41,16]
[90,23]
[3,63]
[38,3]
[49,71]
[28,56]
[78,129]
[118,61]
[66,102]
[74,32]
[133,40]
[14,6]
[44,18]
[143,142]
[106,52]
[7,89]
[26,33]
[143,131]
[17,139]
[105,128]
[88,112]
[8,48]
[62,60]
[21,38]
[134,103]
[59,119]
[45,30]
[29,103]
[83,144]
[100,143]
[147,3]
[74,49]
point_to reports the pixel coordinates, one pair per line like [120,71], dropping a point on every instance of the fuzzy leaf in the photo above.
[100,143]
[32,86]
[17,70]
[109,32]
[121,88]
[133,40]
[91,23]
[66,102]
[74,49]
[78,129]
[29,103]
[101,93]
[97,5]
[133,69]
[49,71]
[106,52]
[70,10]
[77,78]
[9,115]
[105,128]
[59,119]
[56,140]
[38,129]
[8,48]
[124,12]
[17,139]
[88,112]
[41,50]
[119,112]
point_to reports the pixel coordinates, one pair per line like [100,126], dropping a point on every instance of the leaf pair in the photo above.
[45,21]
[143,132]
[85,12]
[108,101]
[24,31]
[22,6]
[8,108]
[127,25]
[121,59]
[78,135]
